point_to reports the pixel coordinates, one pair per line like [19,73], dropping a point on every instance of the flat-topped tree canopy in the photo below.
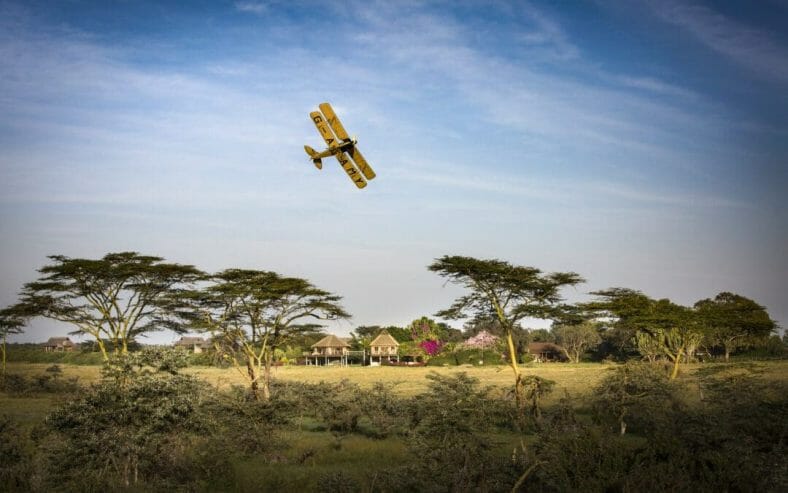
[506,292]
[119,297]
[250,313]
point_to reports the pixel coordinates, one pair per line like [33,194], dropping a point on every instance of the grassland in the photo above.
[312,452]
[575,380]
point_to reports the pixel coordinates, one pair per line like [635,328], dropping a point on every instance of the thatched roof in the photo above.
[331,341]
[384,339]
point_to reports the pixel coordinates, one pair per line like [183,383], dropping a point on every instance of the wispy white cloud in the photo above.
[750,47]
[207,155]
[547,33]
[656,86]
[258,8]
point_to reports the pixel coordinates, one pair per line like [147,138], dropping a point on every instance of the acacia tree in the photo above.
[250,313]
[655,327]
[731,321]
[506,292]
[576,339]
[620,313]
[118,297]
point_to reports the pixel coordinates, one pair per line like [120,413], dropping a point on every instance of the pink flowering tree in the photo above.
[427,335]
[481,341]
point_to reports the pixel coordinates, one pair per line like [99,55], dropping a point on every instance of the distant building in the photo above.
[328,349]
[545,351]
[383,347]
[58,344]
[193,344]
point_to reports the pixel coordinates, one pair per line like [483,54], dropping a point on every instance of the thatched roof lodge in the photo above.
[545,351]
[329,349]
[330,345]
[193,344]
[58,344]
[384,346]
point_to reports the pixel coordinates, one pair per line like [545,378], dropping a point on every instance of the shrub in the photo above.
[634,396]
[449,443]
[16,468]
[126,429]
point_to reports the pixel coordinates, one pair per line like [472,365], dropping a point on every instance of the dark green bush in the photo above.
[634,397]
[34,353]
[466,357]
[126,430]
[50,382]
[16,467]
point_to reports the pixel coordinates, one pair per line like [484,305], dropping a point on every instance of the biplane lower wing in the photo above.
[362,163]
[351,170]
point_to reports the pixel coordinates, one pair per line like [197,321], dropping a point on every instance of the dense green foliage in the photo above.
[147,427]
[118,297]
[250,314]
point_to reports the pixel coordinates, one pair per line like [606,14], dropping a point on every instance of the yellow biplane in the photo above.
[340,145]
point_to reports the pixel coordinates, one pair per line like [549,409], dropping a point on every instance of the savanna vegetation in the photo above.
[644,394]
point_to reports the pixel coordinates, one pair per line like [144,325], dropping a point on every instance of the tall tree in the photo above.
[507,292]
[118,297]
[576,339]
[620,312]
[731,321]
[251,313]
[654,327]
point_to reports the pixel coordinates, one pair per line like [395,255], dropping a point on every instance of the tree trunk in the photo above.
[676,362]
[518,388]
[727,353]
[252,374]
[102,348]
[2,349]
[267,377]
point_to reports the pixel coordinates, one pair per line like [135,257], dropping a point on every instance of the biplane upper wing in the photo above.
[333,120]
[324,129]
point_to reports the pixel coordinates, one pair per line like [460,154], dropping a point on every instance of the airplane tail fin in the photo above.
[316,160]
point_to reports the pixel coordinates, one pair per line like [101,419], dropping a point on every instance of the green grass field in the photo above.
[575,379]
[357,455]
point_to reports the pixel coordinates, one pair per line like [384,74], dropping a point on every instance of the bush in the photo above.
[16,468]
[51,382]
[449,442]
[635,397]
[126,429]
[33,353]
[463,356]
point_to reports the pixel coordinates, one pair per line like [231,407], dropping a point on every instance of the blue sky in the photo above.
[641,144]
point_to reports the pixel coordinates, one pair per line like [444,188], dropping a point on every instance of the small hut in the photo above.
[383,346]
[545,351]
[58,344]
[194,344]
[329,349]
